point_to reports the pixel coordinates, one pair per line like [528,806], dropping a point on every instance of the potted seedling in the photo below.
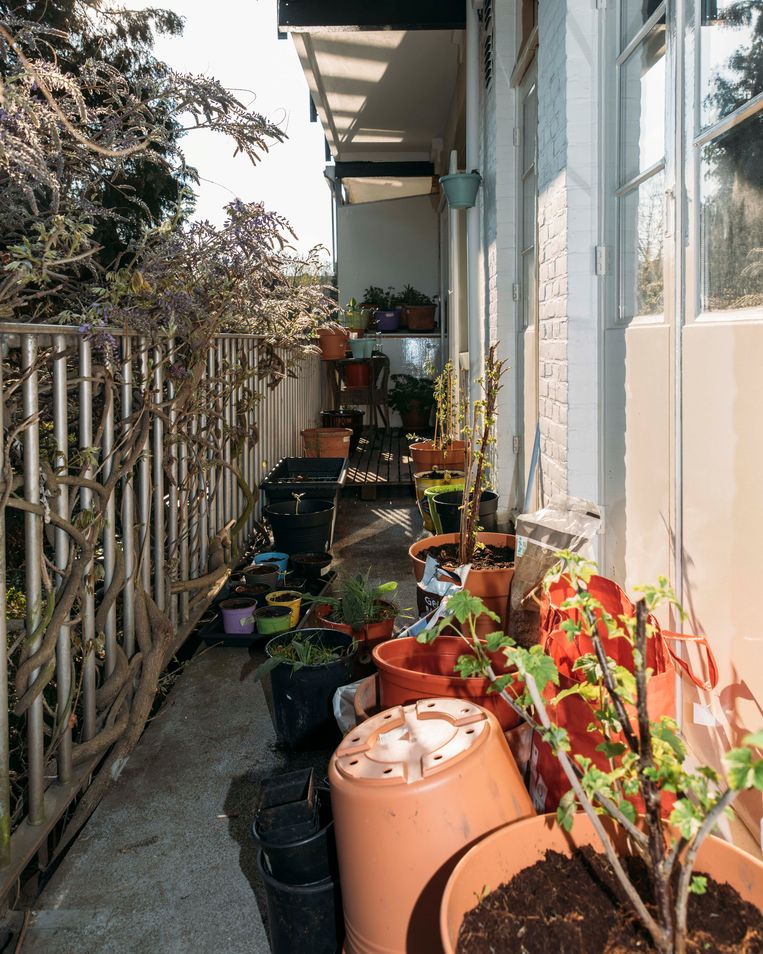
[445,450]
[354,317]
[306,668]
[300,525]
[413,398]
[359,608]
[489,555]
[645,809]
[386,312]
[418,309]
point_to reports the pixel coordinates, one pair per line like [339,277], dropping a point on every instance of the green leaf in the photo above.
[628,809]
[565,812]
[665,731]
[496,641]
[536,663]
[686,817]
[755,739]
[743,770]
[698,884]
[611,749]
[264,668]
[557,738]
[463,605]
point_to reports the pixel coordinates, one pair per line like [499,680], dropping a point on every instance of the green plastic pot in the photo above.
[270,624]
[461,188]
[430,492]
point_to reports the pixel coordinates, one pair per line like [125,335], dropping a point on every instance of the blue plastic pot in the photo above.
[387,320]
[461,189]
[281,559]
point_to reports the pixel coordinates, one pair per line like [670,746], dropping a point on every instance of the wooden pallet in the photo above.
[381,460]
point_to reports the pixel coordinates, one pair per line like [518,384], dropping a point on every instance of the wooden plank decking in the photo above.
[381,461]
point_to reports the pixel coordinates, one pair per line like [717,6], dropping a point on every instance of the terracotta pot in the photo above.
[445,767]
[426,478]
[492,586]
[327,441]
[416,416]
[496,859]
[409,670]
[368,636]
[366,702]
[420,317]
[333,343]
[425,456]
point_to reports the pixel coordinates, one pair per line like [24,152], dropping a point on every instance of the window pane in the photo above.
[642,106]
[732,220]
[641,241]
[731,39]
[634,14]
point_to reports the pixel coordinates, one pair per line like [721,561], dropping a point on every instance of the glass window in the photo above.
[641,245]
[731,232]
[633,15]
[642,106]
[731,52]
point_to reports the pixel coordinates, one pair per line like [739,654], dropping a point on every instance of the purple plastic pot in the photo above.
[387,320]
[234,611]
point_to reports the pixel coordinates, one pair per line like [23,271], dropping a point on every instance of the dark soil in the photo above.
[571,905]
[285,597]
[489,558]
[271,612]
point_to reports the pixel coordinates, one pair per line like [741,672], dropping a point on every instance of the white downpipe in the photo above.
[473,250]
[454,292]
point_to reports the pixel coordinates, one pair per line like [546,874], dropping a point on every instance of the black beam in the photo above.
[382,170]
[315,16]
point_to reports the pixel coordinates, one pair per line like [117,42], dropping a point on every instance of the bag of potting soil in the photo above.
[435,587]
[344,707]
[566,523]
[547,781]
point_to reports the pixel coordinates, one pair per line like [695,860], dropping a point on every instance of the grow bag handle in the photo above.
[702,643]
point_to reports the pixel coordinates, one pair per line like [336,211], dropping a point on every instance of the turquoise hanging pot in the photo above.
[461,188]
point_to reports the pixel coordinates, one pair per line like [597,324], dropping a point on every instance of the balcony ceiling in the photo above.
[381,95]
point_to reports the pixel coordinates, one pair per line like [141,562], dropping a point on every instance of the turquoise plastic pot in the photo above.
[280,559]
[461,189]
[358,347]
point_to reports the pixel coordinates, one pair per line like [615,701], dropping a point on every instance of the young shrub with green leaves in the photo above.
[359,602]
[646,758]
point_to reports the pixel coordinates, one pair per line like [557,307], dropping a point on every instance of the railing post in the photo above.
[5,780]
[128,509]
[86,501]
[62,548]
[33,581]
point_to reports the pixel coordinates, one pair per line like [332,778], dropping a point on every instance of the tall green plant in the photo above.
[446,409]
[646,758]
[357,600]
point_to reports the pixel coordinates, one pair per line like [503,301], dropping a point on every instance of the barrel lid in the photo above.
[408,743]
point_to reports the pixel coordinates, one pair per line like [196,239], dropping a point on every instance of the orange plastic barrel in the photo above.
[412,788]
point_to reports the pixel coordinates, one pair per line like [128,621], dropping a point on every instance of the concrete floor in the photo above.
[167,862]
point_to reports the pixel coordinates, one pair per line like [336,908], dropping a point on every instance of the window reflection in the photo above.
[641,238]
[731,62]
[642,106]
[732,220]
[634,14]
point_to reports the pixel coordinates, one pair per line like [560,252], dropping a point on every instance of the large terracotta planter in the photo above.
[411,789]
[496,859]
[327,441]
[333,343]
[420,317]
[368,636]
[409,670]
[492,586]
[425,455]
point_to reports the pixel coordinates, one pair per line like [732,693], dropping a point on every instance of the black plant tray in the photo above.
[213,631]
[316,478]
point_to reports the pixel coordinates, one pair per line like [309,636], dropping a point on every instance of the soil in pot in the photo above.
[571,903]
[490,558]
[272,620]
[311,565]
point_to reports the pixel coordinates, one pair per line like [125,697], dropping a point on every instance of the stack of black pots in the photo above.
[297,863]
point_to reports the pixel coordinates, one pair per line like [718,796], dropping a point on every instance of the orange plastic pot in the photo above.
[412,788]
[333,343]
[425,455]
[357,375]
[366,701]
[327,441]
[496,859]
[409,671]
[491,586]
[369,635]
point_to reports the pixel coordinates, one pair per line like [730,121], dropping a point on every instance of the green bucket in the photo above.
[430,492]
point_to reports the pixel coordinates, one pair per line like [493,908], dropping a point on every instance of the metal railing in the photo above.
[85,508]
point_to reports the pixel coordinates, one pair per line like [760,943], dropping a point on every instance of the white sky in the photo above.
[237,43]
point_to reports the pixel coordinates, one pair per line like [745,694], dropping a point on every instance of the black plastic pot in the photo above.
[345,417]
[288,787]
[449,503]
[302,698]
[300,526]
[303,917]
[304,860]
[311,565]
